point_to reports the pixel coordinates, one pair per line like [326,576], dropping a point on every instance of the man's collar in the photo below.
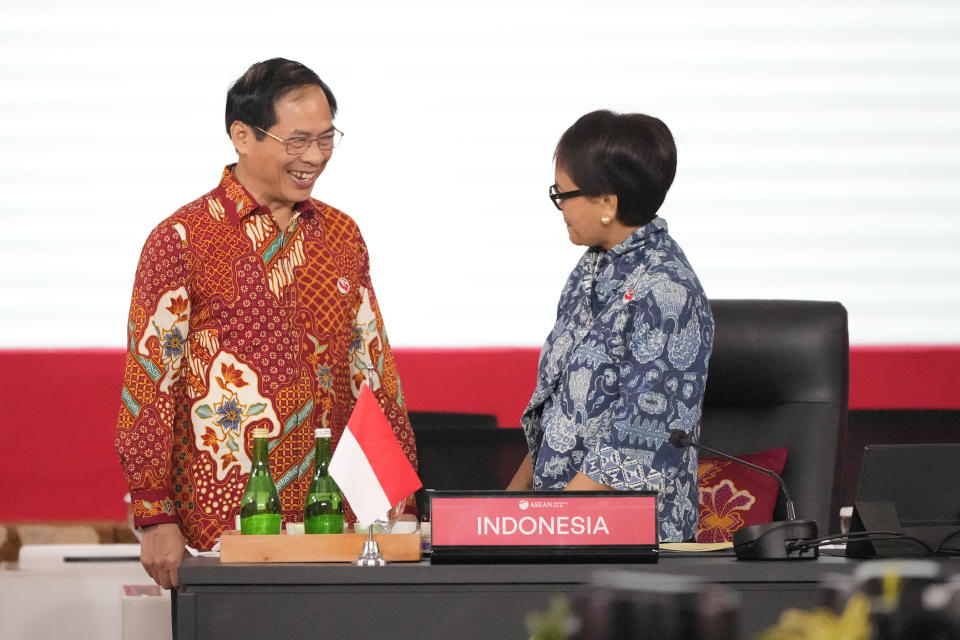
[243,203]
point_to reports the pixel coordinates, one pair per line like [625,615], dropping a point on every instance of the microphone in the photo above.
[771,540]
[681,439]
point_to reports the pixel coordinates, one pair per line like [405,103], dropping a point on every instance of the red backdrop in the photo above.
[60,407]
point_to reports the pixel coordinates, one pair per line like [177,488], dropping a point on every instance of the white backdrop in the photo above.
[819,150]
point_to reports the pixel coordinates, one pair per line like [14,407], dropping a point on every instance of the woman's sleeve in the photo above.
[662,375]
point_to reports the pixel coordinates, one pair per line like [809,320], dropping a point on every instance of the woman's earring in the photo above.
[605,220]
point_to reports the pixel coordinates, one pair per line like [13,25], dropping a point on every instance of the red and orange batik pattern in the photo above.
[235,324]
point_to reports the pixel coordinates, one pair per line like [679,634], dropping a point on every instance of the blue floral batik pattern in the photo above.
[625,363]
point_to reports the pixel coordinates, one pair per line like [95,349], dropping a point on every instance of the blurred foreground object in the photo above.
[903,600]
[624,605]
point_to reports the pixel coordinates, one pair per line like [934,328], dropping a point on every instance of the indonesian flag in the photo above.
[369,465]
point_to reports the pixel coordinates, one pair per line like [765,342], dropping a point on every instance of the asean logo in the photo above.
[343,285]
[523,505]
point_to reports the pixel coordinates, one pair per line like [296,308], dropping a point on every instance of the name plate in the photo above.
[495,526]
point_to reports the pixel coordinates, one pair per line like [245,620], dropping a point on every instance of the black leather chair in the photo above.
[779,376]
[462,451]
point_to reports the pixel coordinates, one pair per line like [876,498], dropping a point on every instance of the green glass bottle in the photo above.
[323,508]
[260,504]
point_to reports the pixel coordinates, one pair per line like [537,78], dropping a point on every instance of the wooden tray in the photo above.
[333,547]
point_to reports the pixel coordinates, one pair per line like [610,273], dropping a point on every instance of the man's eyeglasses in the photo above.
[557,196]
[299,146]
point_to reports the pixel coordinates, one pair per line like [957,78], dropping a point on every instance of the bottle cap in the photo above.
[322,432]
[261,432]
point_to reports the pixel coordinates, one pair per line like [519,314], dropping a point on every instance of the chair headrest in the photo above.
[769,352]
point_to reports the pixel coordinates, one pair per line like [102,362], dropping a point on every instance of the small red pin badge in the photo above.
[628,295]
[343,285]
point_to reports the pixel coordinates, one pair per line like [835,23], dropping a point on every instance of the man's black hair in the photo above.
[252,97]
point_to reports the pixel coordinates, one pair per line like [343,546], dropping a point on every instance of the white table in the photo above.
[42,596]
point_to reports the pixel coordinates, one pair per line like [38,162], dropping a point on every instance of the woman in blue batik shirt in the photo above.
[626,361]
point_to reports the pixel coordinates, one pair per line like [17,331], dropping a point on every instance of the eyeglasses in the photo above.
[299,146]
[557,196]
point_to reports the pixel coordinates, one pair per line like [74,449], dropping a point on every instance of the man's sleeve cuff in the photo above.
[153,506]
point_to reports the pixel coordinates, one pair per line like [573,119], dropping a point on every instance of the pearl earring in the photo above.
[605,220]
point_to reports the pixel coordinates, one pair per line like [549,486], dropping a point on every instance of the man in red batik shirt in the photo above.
[252,306]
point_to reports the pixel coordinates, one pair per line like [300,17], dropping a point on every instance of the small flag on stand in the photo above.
[369,464]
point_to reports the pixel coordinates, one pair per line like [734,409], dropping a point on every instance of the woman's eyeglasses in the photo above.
[557,196]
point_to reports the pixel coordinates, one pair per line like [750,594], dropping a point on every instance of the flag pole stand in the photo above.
[371,553]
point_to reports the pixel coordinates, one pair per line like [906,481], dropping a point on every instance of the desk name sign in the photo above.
[575,526]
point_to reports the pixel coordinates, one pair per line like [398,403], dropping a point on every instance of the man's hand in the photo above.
[161,549]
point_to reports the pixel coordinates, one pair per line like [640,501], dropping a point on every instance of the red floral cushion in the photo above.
[734,496]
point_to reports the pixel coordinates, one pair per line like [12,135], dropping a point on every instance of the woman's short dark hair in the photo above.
[252,97]
[630,155]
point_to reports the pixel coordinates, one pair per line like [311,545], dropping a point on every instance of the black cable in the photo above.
[857,536]
[833,537]
[941,547]
[845,536]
